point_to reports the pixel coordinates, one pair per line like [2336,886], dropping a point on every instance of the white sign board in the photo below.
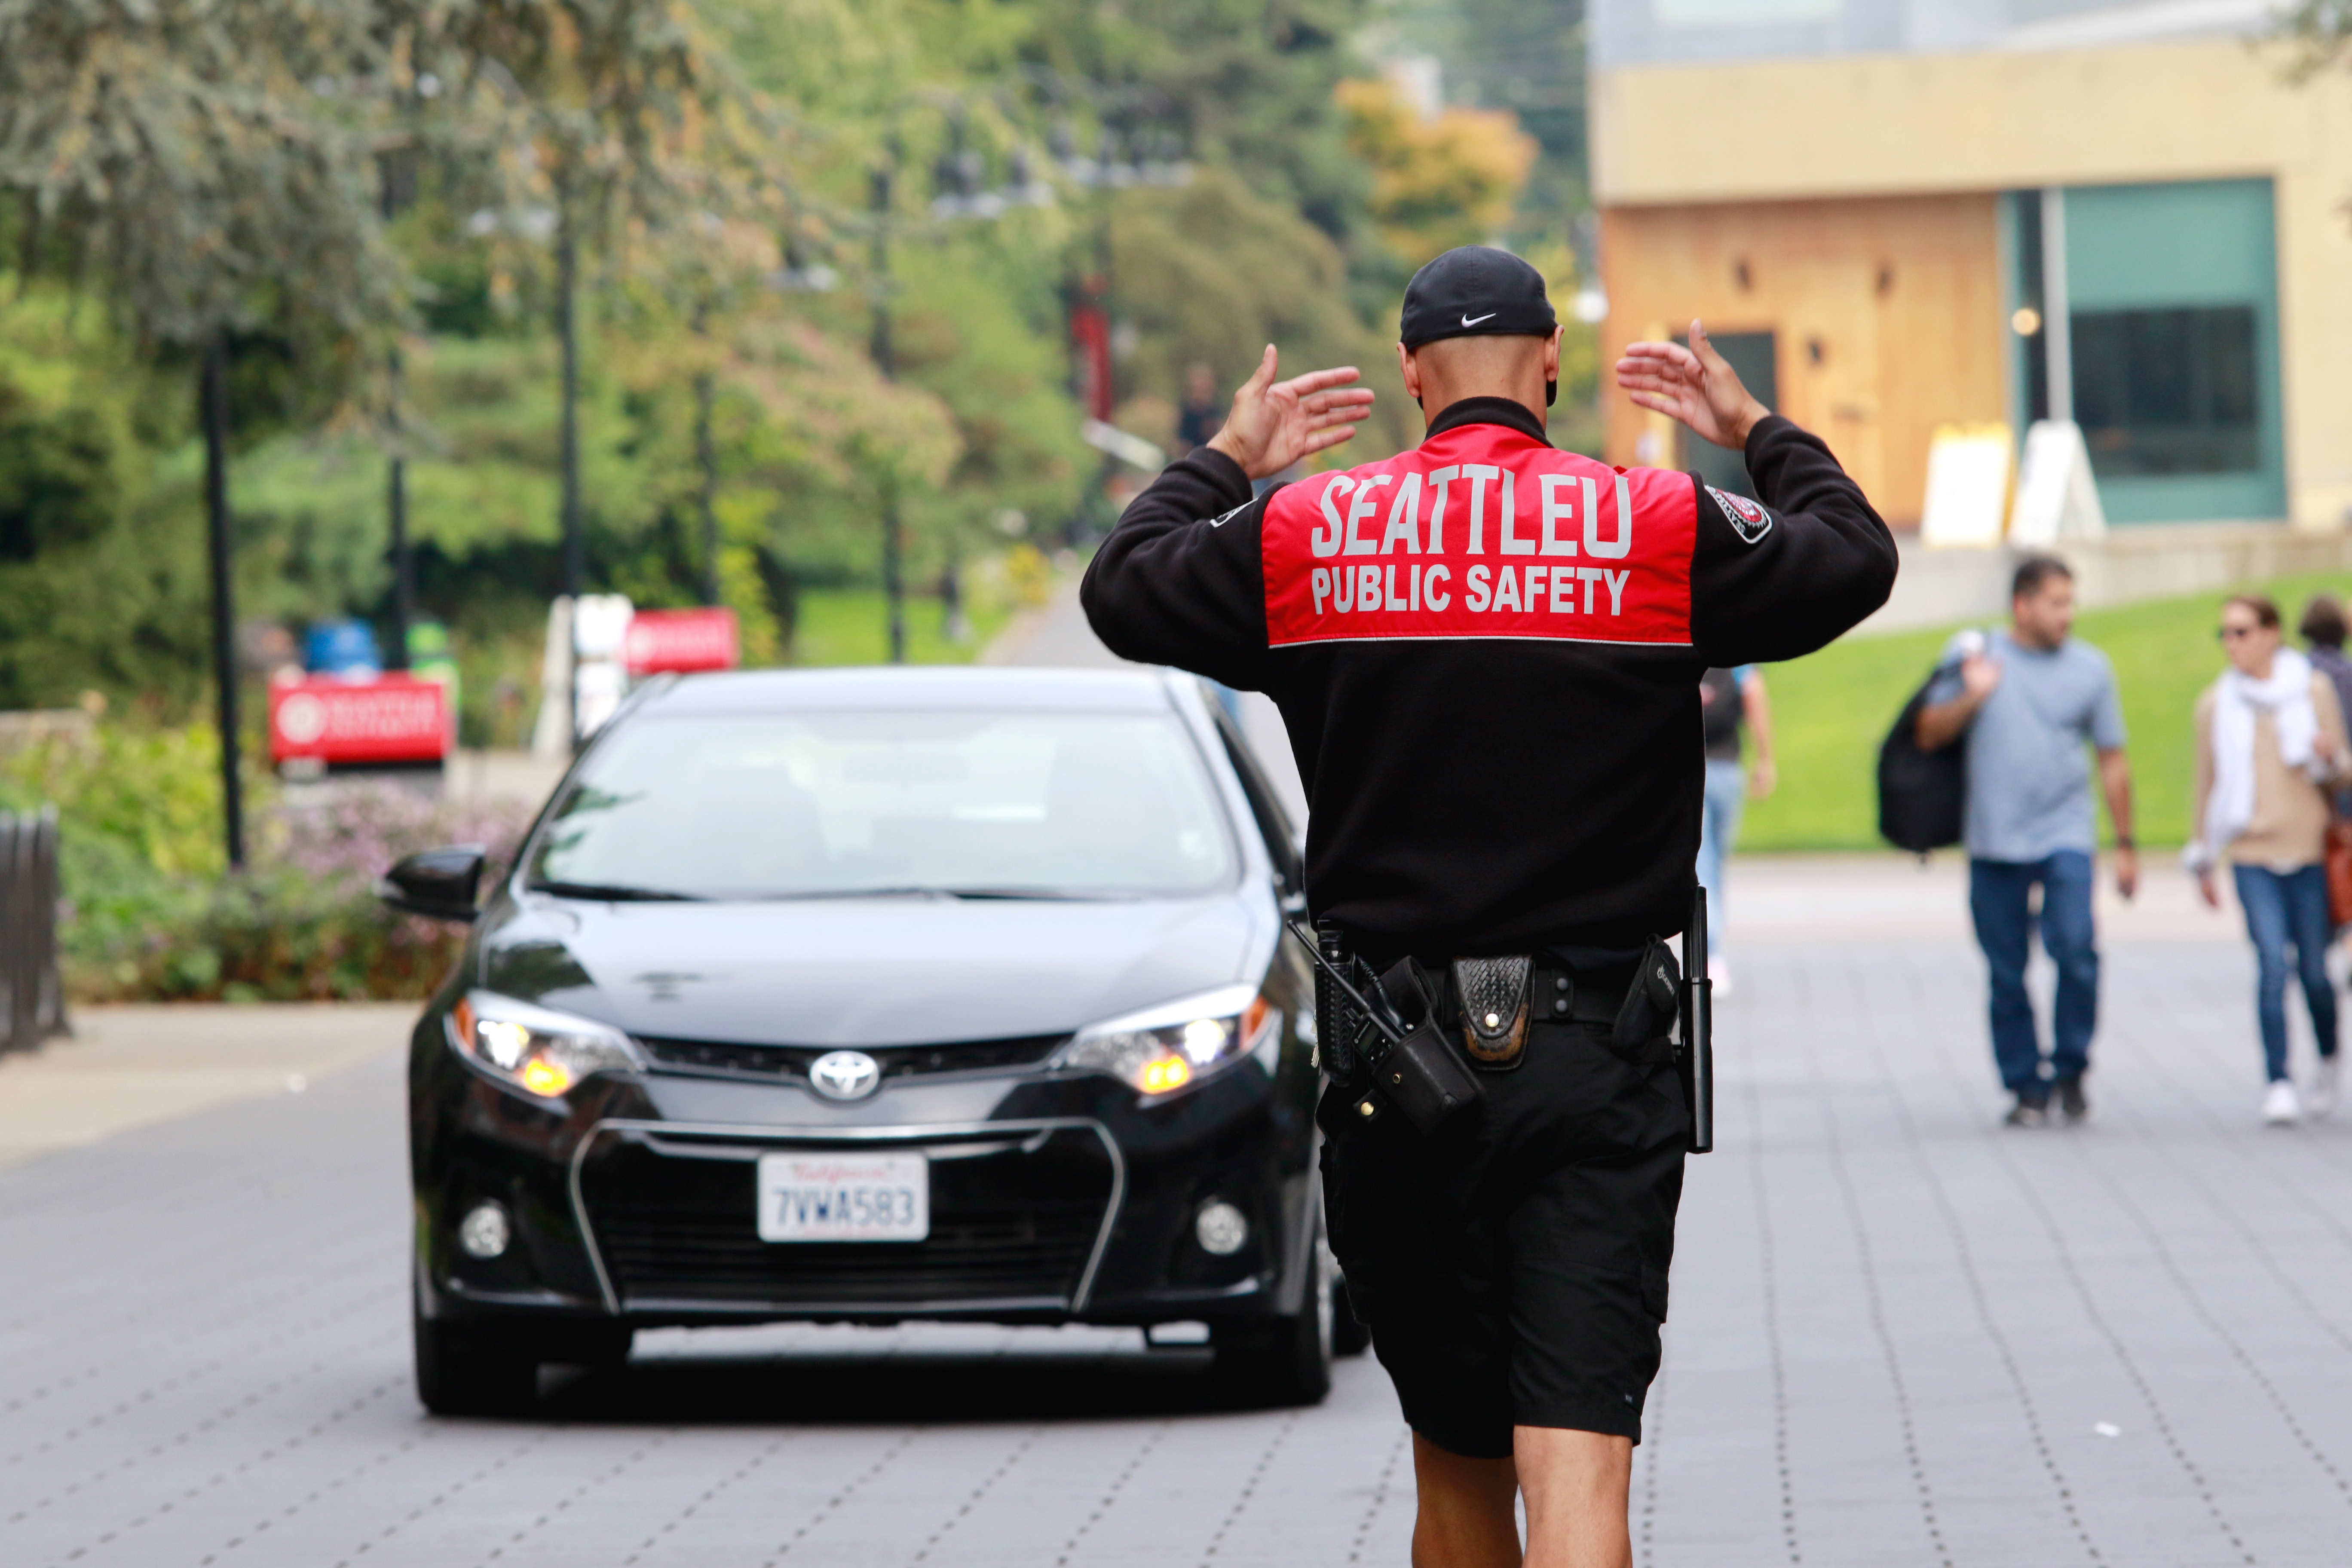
[1968,486]
[2057,498]
[580,681]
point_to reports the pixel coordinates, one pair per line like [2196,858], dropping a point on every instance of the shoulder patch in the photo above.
[1747,519]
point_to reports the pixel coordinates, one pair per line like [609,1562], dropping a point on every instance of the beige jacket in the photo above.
[2291,813]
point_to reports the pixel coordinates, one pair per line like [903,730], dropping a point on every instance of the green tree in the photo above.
[2318,35]
[620,118]
[211,172]
[1449,182]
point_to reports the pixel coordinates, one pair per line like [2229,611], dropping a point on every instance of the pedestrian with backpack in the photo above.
[2023,701]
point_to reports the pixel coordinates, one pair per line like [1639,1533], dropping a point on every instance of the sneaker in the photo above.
[2027,1113]
[2326,1086]
[2280,1106]
[2070,1102]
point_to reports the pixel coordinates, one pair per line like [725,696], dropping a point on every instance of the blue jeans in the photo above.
[1718,829]
[1999,898]
[2287,909]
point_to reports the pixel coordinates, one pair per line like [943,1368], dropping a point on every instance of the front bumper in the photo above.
[1055,1198]
[1021,1212]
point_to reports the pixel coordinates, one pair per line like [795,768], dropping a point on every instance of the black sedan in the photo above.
[872,995]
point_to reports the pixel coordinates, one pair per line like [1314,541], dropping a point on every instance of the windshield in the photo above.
[972,805]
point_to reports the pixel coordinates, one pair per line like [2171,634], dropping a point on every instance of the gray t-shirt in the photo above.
[2029,782]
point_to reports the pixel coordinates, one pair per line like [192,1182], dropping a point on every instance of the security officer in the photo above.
[1487,653]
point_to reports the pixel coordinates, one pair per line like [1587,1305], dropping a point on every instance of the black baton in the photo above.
[1697,1061]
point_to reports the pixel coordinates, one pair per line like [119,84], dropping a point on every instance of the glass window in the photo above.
[822,803]
[2168,392]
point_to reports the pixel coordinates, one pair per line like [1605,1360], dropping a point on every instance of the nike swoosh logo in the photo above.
[1474,320]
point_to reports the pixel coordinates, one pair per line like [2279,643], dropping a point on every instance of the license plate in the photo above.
[844,1198]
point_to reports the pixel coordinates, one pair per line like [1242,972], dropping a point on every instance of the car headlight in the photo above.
[536,1049]
[1160,1049]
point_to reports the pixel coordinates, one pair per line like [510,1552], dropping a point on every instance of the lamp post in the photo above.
[396,178]
[894,588]
[706,458]
[213,414]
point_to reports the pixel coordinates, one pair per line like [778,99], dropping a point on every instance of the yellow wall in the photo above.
[1883,125]
[1885,312]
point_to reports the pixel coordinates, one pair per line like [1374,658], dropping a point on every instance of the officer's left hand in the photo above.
[1275,423]
[1695,385]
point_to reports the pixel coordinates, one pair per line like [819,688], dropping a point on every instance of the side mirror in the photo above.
[440,884]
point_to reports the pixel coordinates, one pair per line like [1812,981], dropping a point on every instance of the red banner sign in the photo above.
[681,641]
[395,719]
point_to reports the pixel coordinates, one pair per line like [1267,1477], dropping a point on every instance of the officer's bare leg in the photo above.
[1467,1518]
[1576,1485]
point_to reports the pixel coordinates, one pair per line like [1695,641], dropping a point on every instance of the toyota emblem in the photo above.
[845,1074]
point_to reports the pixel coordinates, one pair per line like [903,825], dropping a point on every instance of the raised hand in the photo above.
[1275,423]
[1695,385]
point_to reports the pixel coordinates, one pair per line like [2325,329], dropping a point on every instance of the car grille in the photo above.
[768,1063]
[1015,1226]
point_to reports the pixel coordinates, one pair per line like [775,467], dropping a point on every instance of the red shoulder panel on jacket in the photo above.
[1482,533]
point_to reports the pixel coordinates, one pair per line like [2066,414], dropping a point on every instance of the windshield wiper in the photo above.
[910,891]
[615,893]
[1049,895]
[924,891]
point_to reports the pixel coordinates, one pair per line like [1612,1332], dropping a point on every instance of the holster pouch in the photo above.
[1648,1013]
[1493,996]
[1423,1077]
[1420,1075]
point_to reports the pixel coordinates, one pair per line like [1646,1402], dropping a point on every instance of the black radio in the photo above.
[1379,1038]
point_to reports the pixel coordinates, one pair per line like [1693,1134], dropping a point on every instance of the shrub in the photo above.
[150,914]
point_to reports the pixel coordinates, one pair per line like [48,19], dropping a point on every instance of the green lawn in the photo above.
[848,626]
[1830,710]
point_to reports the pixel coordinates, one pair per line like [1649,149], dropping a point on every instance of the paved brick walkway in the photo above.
[1900,1335]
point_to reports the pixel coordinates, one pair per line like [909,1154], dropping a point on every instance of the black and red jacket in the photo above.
[1487,652]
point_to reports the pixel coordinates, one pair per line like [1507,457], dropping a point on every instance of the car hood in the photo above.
[872,972]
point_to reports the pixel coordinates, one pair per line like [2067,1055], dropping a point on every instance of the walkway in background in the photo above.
[1058,635]
[1901,1335]
[126,1067]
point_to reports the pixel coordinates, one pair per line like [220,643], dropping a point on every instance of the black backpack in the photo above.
[1922,794]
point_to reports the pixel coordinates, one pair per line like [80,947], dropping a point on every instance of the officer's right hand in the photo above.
[1275,423]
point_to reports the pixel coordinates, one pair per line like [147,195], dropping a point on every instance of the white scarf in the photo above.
[2238,699]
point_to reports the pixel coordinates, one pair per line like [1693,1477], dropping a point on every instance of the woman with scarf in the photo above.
[2269,741]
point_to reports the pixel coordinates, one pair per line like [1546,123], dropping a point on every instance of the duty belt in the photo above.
[1402,1035]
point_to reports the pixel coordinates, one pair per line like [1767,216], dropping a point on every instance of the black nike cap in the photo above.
[1475,290]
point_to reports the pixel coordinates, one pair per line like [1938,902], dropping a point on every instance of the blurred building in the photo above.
[1895,214]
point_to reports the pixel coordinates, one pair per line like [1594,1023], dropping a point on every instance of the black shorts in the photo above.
[1513,1271]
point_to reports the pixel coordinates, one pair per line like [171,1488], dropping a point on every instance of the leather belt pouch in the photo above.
[1492,993]
[1648,1011]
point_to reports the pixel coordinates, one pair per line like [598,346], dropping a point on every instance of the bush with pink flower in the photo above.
[149,912]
